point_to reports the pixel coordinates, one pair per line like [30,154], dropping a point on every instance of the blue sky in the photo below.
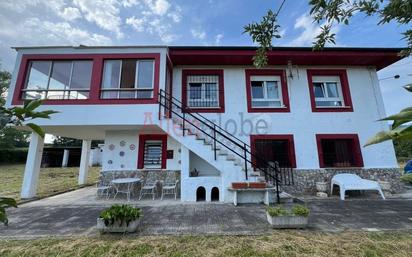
[182,22]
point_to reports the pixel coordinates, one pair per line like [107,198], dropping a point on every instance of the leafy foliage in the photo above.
[407,178]
[4,203]
[397,131]
[120,214]
[263,33]
[297,210]
[328,13]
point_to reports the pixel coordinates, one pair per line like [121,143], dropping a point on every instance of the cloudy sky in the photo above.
[185,22]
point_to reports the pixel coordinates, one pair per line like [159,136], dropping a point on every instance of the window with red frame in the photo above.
[152,152]
[273,148]
[329,90]
[203,90]
[58,79]
[339,151]
[267,91]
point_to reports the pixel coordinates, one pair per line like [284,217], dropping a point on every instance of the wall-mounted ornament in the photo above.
[110,162]
[132,147]
[122,166]
[122,143]
[111,147]
[169,154]
[121,153]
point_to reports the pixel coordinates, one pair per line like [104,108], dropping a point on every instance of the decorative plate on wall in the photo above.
[122,166]
[111,147]
[122,143]
[110,162]
[132,147]
[121,153]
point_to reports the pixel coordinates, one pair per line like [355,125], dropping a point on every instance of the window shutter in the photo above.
[153,154]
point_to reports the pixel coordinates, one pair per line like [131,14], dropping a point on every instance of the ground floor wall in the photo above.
[305,180]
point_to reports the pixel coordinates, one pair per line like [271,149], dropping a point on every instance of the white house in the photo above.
[209,109]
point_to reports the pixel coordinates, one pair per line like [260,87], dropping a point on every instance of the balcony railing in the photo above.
[55,94]
[126,93]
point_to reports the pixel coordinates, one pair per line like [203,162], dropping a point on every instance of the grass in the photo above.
[279,243]
[51,180]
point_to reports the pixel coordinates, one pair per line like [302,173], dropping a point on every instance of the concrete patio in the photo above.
[74,213]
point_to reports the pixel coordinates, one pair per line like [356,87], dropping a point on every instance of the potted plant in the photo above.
[280,217]
[119,219]
[322,186]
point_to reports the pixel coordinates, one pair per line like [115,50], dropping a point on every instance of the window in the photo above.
[329,90]
[266,91]
[128,79]
[152,152]
[203,90]
[68,79]
[273,148]
[339,151]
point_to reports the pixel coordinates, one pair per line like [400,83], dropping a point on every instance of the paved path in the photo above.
[69,215]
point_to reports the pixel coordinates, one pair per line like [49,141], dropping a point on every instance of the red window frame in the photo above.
[97,75]
[218,72]
[288,137]
[142,141]
[342,74]
[284,88]
[356,149]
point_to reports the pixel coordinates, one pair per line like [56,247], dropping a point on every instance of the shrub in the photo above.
[297,210]
[407,178]
[120,213]
[16,155]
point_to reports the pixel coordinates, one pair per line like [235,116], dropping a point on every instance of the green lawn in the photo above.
[280,243]
[51,181]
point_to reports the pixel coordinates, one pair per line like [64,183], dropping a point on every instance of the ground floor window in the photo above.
[152,151]
[273,148]
[339,151]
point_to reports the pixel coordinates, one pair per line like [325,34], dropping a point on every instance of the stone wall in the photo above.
[305,180]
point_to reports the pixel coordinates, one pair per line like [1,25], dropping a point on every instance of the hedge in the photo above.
[17,155]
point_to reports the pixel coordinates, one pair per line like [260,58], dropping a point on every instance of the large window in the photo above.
[203,90]
[68,79]
[339,151]
[329,90]
[128,79]
[266,91]
[273,148]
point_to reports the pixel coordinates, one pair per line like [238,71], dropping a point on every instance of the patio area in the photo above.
[74,213]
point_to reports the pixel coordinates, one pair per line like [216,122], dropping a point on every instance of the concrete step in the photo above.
[230,157]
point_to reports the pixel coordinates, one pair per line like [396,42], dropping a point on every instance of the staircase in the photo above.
[218,147]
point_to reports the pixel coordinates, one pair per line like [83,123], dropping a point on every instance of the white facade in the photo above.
[121,124]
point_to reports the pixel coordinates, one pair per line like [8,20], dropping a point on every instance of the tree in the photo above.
[328,13]
[66,141]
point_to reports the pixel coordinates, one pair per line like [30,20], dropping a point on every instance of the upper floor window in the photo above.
[202,90]
[128,79]
[266,91]
[339,151]
[329,90]
[68,79]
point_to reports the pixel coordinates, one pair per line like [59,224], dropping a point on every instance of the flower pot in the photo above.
[287,221]
[321,186]
[116,228]
[239,185]
[257,185]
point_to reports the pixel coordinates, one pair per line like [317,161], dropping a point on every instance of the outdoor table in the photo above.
[124,181]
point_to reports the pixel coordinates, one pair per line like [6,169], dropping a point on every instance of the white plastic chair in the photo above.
[169,186]
[104,187]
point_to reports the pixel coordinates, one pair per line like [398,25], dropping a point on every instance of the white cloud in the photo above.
[310,30]
[218,38]
[104,13]
[137,24]
[159,7]
[198,34]
[70,13]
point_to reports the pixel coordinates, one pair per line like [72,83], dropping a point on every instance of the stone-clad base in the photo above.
[305,180]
